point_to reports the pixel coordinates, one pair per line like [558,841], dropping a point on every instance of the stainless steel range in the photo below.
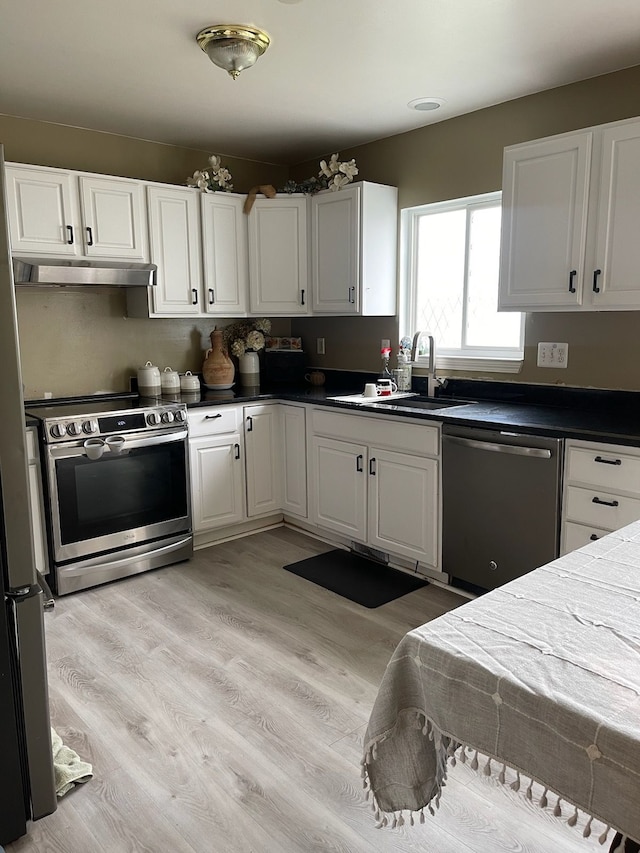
[116,482]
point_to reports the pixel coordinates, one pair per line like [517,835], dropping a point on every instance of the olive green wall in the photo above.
[73,343]
[463,156]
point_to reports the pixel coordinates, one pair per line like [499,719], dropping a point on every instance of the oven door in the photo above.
[121,499]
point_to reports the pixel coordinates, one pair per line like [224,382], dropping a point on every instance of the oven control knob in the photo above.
[153,419]
[90,427]
[180,416]
[167,417]
[58,430]
[74,428]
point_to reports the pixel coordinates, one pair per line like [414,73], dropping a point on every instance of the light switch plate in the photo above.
[552,354]
[320,346]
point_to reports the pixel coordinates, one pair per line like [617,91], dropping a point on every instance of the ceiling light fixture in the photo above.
[233,47]
[426,104]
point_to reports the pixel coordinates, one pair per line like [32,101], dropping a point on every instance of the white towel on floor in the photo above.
[68,767]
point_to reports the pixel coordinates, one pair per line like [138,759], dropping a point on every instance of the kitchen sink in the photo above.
[422,403]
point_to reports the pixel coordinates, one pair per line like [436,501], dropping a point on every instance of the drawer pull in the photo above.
[593,537]
[608,461]
[212,417]
[237,452]
[605,503]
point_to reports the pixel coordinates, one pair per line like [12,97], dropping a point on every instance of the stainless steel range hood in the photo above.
[60,272]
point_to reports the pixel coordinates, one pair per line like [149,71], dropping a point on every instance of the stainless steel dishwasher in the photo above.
[501,504]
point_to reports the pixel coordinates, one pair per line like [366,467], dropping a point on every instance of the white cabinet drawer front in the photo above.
[605,466]
[418,438]
[576,535]
[214,420]
[603,509]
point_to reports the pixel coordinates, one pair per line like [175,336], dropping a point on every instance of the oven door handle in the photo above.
[131,443]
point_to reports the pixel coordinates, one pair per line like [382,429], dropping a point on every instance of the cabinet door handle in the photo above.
[352,296]
[70,234]
[212,297]
[195,296]
[212,417]
[372,466]
[596,273]
[608,461]
[237,451]
[249,423]
[572,275]
[89,236]
[359,461]
[593,537]
[605,503]
[302,297]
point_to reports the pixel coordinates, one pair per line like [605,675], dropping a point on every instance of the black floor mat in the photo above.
[355,577]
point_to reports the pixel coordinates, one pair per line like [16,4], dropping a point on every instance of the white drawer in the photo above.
[603,509]
[214,420]
[576,535]
[417,437]
[606,467]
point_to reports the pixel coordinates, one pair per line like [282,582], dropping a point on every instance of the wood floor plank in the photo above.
[223,703]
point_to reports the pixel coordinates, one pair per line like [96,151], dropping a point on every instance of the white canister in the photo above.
[170,381]
[149,380]
[189,382]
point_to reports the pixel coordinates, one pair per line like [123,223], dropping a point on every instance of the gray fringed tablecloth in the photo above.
[542,675]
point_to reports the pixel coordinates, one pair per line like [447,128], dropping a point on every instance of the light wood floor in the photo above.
[223,703]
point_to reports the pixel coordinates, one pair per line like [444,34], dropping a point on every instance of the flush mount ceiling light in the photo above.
[426,104]
[233,47]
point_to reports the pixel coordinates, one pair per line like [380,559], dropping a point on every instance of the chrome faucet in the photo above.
[432,380]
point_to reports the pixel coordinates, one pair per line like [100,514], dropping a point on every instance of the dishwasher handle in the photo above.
[494,447]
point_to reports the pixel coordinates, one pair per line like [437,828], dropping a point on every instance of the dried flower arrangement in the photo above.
[245,335]
[333,175]
[212,179]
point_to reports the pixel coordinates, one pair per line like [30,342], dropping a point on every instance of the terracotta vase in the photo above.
[218,370]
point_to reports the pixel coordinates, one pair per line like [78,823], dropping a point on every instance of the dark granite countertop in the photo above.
[597,415]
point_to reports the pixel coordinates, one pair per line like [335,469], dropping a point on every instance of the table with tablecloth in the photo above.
[541,675]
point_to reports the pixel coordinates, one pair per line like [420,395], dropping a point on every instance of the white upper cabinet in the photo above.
[114,217]
[354,234]
[174,228]
[278,262]
[224,246]
[614,273]
[571,205]
[544,222]
[56,212]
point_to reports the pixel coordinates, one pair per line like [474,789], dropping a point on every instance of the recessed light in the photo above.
[426,104]
[290,2]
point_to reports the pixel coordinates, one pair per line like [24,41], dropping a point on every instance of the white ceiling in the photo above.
[338,72]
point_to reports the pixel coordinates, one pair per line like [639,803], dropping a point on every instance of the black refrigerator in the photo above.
[27,790]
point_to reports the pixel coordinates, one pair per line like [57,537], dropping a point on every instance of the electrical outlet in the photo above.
[385,343]
[320,346]
[553,354]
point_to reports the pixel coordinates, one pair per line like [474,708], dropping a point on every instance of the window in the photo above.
[451,254]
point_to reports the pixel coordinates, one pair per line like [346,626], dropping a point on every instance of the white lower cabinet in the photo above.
[601,491]
[376,482]
[217,467]
[294,460]
[403,493]
[339,484]
[236,462]
[263,458]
